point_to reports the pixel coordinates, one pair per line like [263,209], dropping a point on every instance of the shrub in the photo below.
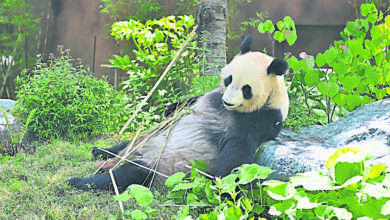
[156,43]
[68,100]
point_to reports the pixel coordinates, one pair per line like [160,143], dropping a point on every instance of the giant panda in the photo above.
[224,128]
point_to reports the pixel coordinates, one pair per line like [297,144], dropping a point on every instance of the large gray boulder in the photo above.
[368,127]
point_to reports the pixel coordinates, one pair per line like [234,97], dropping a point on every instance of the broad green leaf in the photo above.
[324,212]
[375,171]
[344,171]
[339,99]
[291,36]
[142,195]
[281,207]
[353,101]
[138,215]
[350,82]
[328,89]
[280,191]
[330,55]
[250,172]
[185,186]
[266,26]
[229,183]
[174,179]
[123,197]
[233,213]
[320,60]
[340,68]
[279,36]
[312,78]
[294,64]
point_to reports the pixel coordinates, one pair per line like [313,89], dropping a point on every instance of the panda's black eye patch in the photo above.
[227,80]
[247,91]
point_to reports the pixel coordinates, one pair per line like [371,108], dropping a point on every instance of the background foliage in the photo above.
[156,43]
[17,25]
[67,100]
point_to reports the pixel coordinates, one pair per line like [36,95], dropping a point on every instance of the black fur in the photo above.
[124,175]
[247,92]
[239,143]
[278,67]
[175,106]
[245,46]
[228,80]
[235,146]
[96,152]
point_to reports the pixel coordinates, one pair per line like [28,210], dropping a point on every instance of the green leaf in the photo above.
[279,36]
[174,179]
[339,99]
[353,101]
[294,64]
[324,212]
[320,60]
[350,82]
[233,213]
[346,170]
[266,26]
[291,36]
[328,89]
[200,165]
[138,215]
[282,191]
[330,55]
[375,171]
[250,172]
[312,78]
[142,195]
[185,186]
[123,197]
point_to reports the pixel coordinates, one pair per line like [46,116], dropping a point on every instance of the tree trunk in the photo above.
[211,18]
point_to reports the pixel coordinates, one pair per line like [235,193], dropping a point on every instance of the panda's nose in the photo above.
[227,104]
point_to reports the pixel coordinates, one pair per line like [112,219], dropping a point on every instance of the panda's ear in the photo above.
[278,67]
[245,46]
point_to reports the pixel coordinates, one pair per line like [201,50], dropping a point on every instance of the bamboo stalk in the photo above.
[116,189]
[143,103]
[134,163]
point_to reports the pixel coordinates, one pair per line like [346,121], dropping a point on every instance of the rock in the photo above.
[368,127]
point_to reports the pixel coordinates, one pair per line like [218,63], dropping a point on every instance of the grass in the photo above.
[32,185]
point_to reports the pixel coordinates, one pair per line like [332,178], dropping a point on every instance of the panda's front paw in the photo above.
[79,183]
[97,153]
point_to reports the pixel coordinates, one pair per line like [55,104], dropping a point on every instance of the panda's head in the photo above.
[253,80]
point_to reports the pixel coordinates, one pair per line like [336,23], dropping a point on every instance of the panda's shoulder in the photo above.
[211,101]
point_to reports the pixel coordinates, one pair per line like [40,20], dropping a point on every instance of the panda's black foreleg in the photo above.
[124,175]
[96,152]
[234,152]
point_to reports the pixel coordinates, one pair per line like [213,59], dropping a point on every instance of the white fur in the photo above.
[251,68]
